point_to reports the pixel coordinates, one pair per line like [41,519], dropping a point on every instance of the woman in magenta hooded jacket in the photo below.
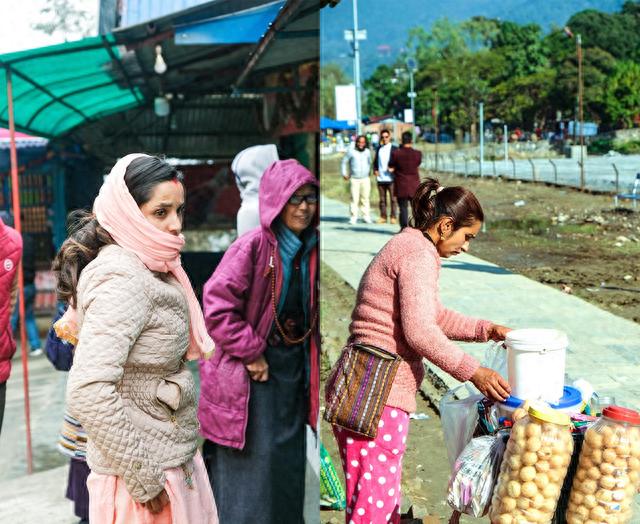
[262,384]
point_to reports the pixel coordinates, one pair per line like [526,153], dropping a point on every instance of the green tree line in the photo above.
[523,76]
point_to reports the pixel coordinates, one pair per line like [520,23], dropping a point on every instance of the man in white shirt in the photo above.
[385,178]
[356,167]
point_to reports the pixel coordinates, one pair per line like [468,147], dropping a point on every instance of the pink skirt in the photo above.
[110,502]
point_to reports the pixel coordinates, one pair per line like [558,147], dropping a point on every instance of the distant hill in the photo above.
[387,22]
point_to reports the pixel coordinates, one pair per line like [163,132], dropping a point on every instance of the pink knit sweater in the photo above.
[398,309]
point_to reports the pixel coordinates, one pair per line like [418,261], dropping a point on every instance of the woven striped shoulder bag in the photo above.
[358,388]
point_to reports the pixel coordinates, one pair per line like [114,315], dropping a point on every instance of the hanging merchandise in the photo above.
[608,473]
[474,475]
[534,467]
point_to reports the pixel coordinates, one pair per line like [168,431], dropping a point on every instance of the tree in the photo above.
[331,75]
[523,48]
[61,16]
[622,97]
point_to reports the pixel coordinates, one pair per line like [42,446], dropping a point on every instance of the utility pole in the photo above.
[580,107]
[356,68]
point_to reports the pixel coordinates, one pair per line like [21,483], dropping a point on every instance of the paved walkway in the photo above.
[604,348]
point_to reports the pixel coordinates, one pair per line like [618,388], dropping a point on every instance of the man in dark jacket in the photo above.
[384,177]
[404,165]
[29,272]
[10,252]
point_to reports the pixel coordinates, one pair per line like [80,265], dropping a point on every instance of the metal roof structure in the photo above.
[100,91]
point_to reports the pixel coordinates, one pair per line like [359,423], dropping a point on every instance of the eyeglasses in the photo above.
[296,200]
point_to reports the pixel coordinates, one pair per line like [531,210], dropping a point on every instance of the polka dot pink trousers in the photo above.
[372,468]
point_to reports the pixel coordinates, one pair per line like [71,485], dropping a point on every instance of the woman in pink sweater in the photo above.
[398,309]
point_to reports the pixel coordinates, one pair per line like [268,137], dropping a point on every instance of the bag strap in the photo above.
[285,337]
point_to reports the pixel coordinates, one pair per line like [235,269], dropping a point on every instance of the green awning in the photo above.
[57,88]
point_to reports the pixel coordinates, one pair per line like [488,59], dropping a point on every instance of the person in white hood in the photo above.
[248,167]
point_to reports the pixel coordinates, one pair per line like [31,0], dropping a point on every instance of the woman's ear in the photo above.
[445,226]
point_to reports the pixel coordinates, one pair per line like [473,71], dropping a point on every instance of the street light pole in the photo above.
[412,66]
[580,108]
[434,114]
[356,68]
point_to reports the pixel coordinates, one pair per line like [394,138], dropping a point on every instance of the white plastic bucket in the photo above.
[536,361]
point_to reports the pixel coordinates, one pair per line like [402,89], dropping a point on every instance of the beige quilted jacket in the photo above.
[128,385]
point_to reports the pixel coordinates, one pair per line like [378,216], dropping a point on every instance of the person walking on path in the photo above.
[10,254]
[29,272]
[385,178]
[356,168]
[404,165]
[398,309]
[135,320]
[262,384]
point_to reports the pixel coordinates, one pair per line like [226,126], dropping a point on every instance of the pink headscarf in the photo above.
[118,213]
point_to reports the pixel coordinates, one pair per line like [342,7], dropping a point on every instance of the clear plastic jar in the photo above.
[533,469]
[609,470]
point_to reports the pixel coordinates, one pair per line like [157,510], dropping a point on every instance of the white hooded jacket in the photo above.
[248,167]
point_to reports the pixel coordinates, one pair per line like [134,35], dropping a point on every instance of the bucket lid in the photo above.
[534,339]
[571,397]
[550,415]
[622,414]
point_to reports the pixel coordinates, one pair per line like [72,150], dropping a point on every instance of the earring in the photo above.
[441,237]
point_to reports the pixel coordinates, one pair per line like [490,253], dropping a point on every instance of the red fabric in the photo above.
[10,254]
[406,176]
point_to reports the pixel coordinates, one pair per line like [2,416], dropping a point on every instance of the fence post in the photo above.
[466,167]
[533,169]
[615,168]
[495,173]
[453,163]
[513,165]
[555,171]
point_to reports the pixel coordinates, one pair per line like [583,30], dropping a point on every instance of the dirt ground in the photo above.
[577,242]
[426,467]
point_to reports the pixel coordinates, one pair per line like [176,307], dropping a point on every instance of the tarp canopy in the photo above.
[100,91]
[58,87]
[338,125]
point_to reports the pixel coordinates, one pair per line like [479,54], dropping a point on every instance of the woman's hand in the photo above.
[491,384]
[258,369]
[497,332]
[156,504]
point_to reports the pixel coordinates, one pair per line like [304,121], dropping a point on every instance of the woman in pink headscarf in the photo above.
[136,321]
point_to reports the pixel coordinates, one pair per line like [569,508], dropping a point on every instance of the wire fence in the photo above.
[606,174]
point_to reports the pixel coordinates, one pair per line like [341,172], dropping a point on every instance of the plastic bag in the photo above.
[331,492]
[459,417]
[495,357]
[474,475]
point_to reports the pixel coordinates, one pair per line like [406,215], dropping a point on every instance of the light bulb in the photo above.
[161,106]
[160,66]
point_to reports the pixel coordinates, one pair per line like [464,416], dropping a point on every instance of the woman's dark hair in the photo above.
[87,236]
[407,137]
[430,204]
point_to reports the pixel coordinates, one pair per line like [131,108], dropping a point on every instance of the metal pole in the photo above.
[481,138]
[580,109]
[435,121]
[15,196]
[356,68]
[506,147]
[413,105]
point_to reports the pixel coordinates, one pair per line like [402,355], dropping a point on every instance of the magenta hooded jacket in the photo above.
[10,253]
[239,314]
